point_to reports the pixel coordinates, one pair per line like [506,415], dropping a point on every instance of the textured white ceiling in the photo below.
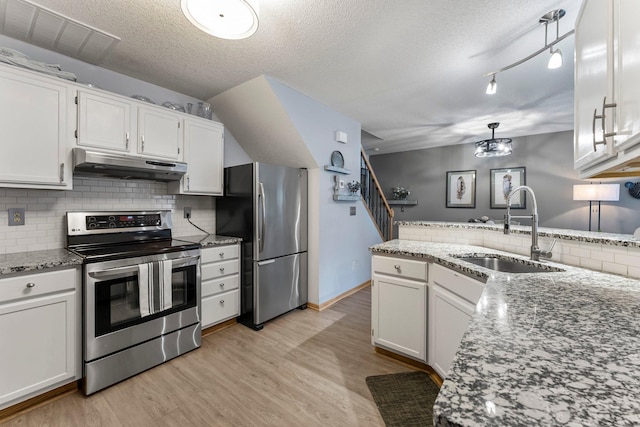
[409,70]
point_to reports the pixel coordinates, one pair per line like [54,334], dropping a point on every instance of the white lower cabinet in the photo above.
[40,333]
[220,277]
[399,306]
[452,300]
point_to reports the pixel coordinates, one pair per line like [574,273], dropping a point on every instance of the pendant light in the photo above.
[226,19]
[494,147]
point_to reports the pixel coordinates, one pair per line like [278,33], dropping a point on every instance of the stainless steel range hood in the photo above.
[94,163]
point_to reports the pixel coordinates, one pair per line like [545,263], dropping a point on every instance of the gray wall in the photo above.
[548,159]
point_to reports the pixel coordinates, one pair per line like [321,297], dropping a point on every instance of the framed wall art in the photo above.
[461,189]
[503,181]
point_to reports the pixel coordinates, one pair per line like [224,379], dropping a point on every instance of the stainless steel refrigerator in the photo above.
[266,205]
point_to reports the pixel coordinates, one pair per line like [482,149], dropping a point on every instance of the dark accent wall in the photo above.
[548,159]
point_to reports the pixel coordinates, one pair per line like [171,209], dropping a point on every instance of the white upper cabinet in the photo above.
[607,96]
[104,121]
[627,71]
[204,155]
[35,131]
[159,133]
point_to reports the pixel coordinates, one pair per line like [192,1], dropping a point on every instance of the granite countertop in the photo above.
[207,240]
[613,239]
[37,260]
[557,348]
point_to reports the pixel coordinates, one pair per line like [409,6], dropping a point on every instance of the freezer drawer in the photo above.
[280,286]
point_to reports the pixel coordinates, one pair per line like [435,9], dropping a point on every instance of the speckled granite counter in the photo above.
[37,260]
[211,240]
[612,239]
[558,348]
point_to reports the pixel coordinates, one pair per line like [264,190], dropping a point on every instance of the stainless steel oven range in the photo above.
[141,293]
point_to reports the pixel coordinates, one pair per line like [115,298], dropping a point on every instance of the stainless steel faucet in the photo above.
[536,252]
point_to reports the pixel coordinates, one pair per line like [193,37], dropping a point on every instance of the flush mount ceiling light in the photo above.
[494,147]
[226,19]
[555,61]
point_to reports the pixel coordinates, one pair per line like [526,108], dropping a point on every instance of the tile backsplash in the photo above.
[45,226]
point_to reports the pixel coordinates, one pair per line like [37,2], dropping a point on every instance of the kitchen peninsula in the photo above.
[548,348]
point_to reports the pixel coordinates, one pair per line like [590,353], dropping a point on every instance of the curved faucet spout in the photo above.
[536,252]
[534,207]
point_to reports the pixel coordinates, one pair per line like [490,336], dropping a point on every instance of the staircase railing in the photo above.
[374,199]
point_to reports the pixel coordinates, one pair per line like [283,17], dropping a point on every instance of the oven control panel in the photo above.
[122,221]
[79,223]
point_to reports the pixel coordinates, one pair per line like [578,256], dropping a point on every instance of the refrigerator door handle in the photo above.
[269,261]
[262,217]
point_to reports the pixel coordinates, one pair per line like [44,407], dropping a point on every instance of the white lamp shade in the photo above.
[597,192]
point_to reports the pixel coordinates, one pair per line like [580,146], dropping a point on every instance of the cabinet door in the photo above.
[33,118]
[399,315]
[204,153]
[627,69]
[159,133]
[38,345]
[449,317]
[103,121]
[593,81]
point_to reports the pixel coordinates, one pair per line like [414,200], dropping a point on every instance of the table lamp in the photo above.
[596,193]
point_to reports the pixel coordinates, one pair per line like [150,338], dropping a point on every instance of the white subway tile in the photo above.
[610,267]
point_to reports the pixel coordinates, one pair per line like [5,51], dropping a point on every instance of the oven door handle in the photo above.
[120,271]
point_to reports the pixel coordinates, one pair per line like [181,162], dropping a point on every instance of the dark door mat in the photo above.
[405,399]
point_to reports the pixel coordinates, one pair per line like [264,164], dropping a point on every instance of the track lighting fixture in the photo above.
[555,61]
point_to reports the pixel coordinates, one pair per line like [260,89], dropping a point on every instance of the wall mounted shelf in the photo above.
[403,202]
[346,197]
[337,169]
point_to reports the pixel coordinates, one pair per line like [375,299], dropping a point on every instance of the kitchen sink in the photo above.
[507,265]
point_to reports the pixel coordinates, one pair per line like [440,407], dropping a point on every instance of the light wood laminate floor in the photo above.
[306,368]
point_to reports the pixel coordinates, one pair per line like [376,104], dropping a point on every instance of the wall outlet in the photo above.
[352,210]
[16,216]
[341,184]
[187,213]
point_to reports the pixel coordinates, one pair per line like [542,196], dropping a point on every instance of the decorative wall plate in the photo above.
[337,160]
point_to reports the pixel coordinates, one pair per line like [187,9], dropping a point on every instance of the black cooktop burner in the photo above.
[96,253]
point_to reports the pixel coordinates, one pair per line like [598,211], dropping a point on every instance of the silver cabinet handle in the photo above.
[602,117]
[397,267]
[221,254]
[31,285]
[221,301]
[61,172]
[221,269]
[126,140]
[222,285]
[142,139]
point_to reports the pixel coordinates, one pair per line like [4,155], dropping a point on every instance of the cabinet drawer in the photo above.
[457,283]
[219,269]
[400,267]
[218,308]
[29,285]
[223,284]
[219,253]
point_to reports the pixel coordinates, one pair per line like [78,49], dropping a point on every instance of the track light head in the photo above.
[492,86]
[555,61]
